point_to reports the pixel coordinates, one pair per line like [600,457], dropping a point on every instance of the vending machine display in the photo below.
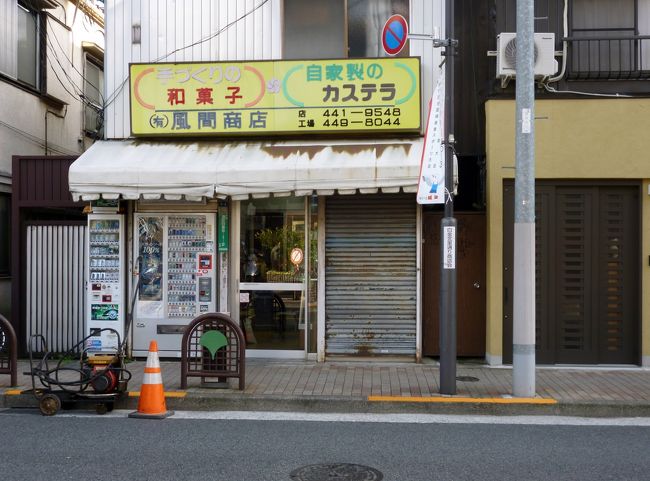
[105,264]
[186,237]
[180,248]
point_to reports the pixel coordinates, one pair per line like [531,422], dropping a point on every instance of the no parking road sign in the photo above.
[394,34]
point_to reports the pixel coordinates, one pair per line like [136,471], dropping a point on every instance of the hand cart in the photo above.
[79,376]
[95,378]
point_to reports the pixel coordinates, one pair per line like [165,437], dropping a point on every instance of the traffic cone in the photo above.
[152,396]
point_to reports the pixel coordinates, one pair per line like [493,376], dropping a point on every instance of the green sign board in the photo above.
[222,234]
[104,312]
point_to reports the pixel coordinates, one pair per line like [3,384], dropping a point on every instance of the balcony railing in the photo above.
[608,57]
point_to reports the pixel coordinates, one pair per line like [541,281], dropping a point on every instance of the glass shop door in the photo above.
[272,289]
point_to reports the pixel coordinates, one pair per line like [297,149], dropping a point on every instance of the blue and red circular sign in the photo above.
[394,34]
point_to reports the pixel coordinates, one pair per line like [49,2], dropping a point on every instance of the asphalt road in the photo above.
[410,448]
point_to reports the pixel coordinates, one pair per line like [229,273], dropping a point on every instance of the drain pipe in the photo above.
[565,33]
[48,111]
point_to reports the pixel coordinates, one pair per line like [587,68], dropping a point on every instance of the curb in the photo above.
[200,401]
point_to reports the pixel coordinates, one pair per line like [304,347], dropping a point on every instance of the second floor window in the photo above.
[605,41]
[598,18]
[28,35]
[93,91]
[338,28]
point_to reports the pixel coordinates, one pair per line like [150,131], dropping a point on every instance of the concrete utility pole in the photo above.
[523,329]
[448,224]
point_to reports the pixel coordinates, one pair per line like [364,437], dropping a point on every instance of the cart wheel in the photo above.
[49,404]
[101,408]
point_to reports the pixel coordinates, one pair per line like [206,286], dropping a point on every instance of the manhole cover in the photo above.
[467,379]
[336,472]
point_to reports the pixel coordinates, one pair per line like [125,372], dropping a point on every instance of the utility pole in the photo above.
[448,224]
[523,329]
[447,299]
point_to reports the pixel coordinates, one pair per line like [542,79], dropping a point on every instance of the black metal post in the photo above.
[448,225]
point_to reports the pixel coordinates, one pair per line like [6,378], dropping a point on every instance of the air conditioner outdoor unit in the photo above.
[545,63]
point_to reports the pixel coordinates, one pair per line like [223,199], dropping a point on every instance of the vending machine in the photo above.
[176,262]
[105,273]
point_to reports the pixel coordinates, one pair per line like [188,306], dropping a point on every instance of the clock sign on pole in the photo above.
[394,34]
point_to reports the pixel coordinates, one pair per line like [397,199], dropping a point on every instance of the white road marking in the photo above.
[372,418]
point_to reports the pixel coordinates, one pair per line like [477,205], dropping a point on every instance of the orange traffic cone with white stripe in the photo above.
[152,396]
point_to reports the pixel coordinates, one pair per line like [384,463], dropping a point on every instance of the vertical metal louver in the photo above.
[55,294]
[618,279]
[575,271]
[370,255]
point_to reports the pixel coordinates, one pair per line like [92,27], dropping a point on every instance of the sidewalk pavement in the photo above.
[396,387]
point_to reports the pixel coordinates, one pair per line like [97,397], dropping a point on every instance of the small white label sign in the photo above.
[526,126]
[449,245]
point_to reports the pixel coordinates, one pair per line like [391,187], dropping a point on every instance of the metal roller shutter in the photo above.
[370,275]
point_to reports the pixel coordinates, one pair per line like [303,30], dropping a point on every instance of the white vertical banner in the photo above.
[431,183]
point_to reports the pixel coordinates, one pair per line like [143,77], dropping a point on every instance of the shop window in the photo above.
[5,233]
[28,44]
[605,38]
[338,28]
[93,88]
[271,229]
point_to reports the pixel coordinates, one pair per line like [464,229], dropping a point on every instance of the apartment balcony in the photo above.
[608,55]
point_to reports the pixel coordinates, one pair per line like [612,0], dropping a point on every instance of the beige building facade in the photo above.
[593,141]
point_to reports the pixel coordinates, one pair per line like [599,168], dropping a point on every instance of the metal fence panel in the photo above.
[56,256]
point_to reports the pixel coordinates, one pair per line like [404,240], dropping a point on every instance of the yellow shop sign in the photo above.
[275,97]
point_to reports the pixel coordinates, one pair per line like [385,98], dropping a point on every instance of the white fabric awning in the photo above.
[134,169]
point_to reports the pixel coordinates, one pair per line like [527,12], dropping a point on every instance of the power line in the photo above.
[113,96]
[38,141]
[214,35]
[75,68]
[44,40]
[75,95]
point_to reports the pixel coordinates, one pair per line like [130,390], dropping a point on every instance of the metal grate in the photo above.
[336,472]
